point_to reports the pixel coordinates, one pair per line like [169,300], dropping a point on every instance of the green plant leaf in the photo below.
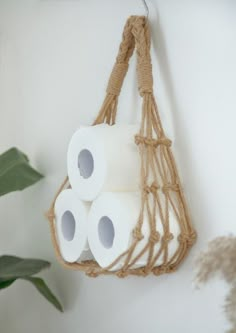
[12,267]
[41,286]
[5,284]
[16,172]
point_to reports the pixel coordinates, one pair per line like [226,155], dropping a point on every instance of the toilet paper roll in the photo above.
[71,225]
[103,158]
[111,221]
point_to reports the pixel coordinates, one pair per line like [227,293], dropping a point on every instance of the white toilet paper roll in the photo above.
[71,226]
[111,221]
[103,158]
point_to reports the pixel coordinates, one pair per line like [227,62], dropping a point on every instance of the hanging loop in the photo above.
[136,34]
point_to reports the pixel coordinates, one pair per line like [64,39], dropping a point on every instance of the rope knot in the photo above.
[156,270]
[154,237]
[143,271]
[152,142]
[159,270]
[116,79]
[122,274]
[92,274]
[170,187]
[154,187]
[138,139]
[168,237]
[188,238]
[146,189]
[164,141]
[151,189]
[137,234]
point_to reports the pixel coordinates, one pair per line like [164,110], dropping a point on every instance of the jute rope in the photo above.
[160,184]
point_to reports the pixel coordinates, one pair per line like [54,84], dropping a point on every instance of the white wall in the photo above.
[55,59]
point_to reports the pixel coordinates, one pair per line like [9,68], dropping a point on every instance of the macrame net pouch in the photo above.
[159,181]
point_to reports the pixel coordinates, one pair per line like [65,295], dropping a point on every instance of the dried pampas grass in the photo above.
[220,259]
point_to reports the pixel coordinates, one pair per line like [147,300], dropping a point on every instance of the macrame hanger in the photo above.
[160,187]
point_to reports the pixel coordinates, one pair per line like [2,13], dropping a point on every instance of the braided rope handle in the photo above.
[159,180]
[136,34]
